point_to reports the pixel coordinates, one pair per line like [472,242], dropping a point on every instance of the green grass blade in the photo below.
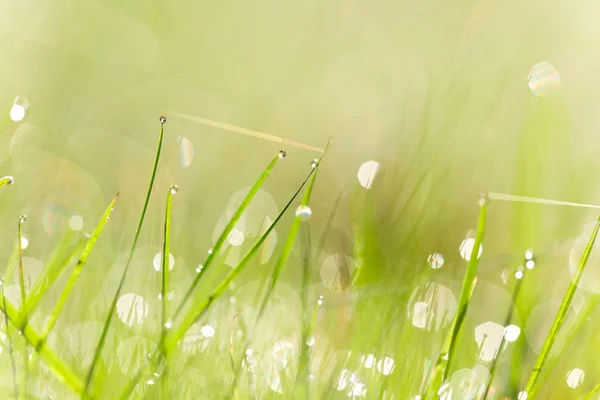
[89,246]
[193,314]
[25,376]
[10,347]
[166,324]
[442,366]
[289,242]
[230,225]
[111,310]
[66,376]
[5,181]
[560,315]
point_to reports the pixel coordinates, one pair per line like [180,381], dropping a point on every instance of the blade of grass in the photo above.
[230,225]
[195,313]
[5,181]
[291,238]
[10,348]
[89,246]
[23,308]
[442,366]
[560,315]
[58,367]
[111,310]
[166,324]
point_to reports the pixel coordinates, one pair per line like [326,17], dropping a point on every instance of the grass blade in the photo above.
[5,181]
[442,366]
[195,313]
[111,310]
[10,348]
[89,246]
[59,368]
[230,225]
[25,378]
[291,238]
[560,315]
[166,324]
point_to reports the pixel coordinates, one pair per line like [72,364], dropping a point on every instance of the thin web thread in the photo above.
[525,199]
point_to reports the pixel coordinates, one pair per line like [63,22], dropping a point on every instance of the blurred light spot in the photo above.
[467,383]
[530,264]
[368,360]
[386,365]
[342,382]
[575,377]
[76,222]
[274,381]
[511,333]
[186,152]
[519,273]
[283,352]
[336,271]
[466,248]
[488,337]
[17,112]
[236,237]
[132,354]
[543,79]
[435,260]
[132,309]
[232,299]
[310,341]
[24,242]
[522,395]
[250,361]
[157,262]
[197,338]
[529,254]
[431,307]
[150,382]
[240,334]
[207,331]
[367,173]
[303,212]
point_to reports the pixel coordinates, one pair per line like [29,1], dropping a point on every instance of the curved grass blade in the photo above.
[10,348]
[111,310]
[165,290]
[507,321]
[89,246]
[5,181]
[58,367]
[230,225]
[560,315]
[442,366]
[198,311]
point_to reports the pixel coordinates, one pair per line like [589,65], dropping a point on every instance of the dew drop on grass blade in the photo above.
[195,313]
[230,225]
[111,310]
[560,315]
[5,181]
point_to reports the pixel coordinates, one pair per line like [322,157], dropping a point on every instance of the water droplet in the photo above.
[150,382]
[303,212]
[530,264]
[282,154]
[232,299]
[17,112]
[76,223]
[575,377]
[24,243]
[9,180]
[174,189]
[320,302]
[520,272]
[209,251]
[199,269]
[483,198]
[169,324]
[23,219]
[314,163]
[310,341]
[163,119]
[543,79]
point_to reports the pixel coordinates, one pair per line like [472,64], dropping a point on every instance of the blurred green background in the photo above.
[435,92]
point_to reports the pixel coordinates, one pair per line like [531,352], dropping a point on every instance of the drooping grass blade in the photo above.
[195,313]
[166,324]
[560,315]
[111,310]
[5,181]
[230,225]
[291,238]
[10,347]
[440,370]
[67,376]
[89,246]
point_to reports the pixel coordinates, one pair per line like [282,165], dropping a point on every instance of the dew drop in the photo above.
[483,198]
[210,251]
[22,219]
[199,269]
[174,189]
[320,302]
[8,180]
[520,272]
[150,382]
[303,212]
[530,264]
[169,324]
[17,112]
[529,254]
[314,163]
[163,119]
[282,154]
